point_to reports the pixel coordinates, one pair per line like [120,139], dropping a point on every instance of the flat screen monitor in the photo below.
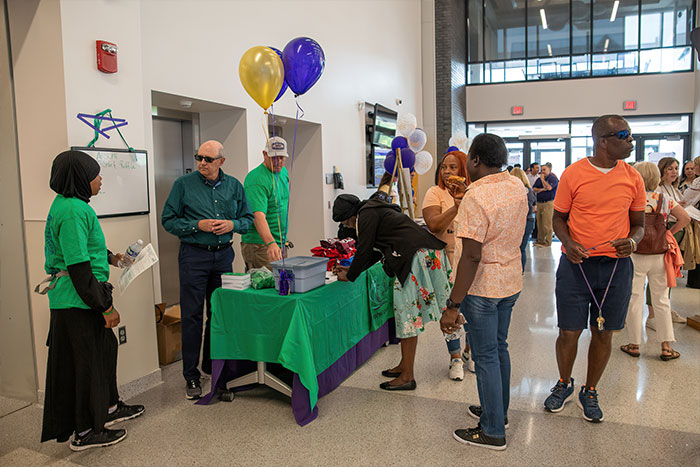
[384,128]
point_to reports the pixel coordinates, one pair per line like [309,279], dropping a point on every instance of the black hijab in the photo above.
[71,174]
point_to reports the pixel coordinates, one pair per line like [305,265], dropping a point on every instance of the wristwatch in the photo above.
[451,304]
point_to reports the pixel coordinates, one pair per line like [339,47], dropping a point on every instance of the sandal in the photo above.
[631,349]
[669,354]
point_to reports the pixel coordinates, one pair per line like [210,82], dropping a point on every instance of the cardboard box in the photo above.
[169,332]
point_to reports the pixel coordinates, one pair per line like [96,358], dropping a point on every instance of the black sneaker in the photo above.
[123,412]
[194,389]
[475,411]
[476,437]
[93,439]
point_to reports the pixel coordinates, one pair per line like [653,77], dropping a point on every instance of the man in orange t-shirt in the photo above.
[599,218]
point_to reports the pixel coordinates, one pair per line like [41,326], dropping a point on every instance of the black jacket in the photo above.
[382,226]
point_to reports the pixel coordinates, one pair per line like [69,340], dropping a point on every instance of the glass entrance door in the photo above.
[516,152]
[554,151]
[656,148]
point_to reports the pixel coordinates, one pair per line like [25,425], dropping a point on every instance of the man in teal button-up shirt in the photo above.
[204,209]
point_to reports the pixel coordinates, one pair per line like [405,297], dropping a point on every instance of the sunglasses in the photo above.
[209,160]
[622,134]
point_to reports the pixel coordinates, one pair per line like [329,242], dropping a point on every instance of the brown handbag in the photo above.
[654,241]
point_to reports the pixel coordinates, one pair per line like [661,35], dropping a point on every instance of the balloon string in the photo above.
[291,171]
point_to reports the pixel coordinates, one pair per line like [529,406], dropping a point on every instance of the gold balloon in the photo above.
[262,74]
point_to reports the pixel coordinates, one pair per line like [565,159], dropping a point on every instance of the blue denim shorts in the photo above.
[576,308]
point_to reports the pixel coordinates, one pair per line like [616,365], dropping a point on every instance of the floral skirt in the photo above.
[422,298]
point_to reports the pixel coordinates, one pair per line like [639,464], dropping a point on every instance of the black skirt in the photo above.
[81,373]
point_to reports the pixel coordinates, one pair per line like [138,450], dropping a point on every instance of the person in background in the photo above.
[687,177]
[546,188]
[204,209]
[692,241]
[439,210]
[653,268]
[267,192]
[410,254]
[668,168]
[534,173]
[531,206]
[490,224]
[599,218]
[81,395]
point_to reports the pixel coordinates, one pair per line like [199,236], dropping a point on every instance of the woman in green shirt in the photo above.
[81,383]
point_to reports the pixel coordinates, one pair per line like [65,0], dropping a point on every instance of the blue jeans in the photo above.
[200,275]
[488,320]
[529,226]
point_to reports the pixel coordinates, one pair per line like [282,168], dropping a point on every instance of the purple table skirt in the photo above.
[227,370]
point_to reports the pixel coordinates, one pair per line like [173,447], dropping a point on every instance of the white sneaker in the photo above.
[651,323]
[468,361]
[676,318]
[456,369]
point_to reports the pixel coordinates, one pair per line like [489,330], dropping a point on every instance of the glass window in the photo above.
[581,147]
[665,60]
[548,68]
[474,129]
[581,128]
[615,25]
[475,73]
[532,40]
[504,32]
[660,124]
[525,129]
[615,64]
[475,24]
[581,31]
[548,28]
[666,23]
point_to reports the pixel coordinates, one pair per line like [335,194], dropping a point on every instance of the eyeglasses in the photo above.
[622,134]
[209,160]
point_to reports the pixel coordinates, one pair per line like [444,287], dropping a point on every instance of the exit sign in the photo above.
[629,105]
[517,110]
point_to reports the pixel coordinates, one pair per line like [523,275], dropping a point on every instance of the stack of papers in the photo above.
[235,281]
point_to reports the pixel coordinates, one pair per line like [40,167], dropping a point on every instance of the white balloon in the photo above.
[405,124]
[417,140]
[459,140]
[424,161]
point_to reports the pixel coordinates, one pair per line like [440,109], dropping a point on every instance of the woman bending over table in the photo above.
[414,257]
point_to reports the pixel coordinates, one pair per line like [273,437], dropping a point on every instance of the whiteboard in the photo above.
[124,189]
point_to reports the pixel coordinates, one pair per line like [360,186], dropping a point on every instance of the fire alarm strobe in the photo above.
[107,57]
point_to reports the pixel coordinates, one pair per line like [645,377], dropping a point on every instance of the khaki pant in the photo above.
[544,214]
[255,256]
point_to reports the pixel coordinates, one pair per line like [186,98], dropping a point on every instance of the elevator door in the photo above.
[168,155]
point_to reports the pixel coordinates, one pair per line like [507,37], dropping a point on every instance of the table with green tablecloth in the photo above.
[321,335]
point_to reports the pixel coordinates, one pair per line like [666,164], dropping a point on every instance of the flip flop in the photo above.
[671,355]
[627,348]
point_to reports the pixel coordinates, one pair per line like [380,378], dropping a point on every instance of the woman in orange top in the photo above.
[439,211]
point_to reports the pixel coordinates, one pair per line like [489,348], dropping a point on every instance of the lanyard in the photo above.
[600,320]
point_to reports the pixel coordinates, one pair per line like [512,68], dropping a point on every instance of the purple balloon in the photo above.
[399,142]
[389,162]
[408,158]
[452,149]
[284,83]
[303,62]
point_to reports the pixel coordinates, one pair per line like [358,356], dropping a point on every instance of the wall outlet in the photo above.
[122,334]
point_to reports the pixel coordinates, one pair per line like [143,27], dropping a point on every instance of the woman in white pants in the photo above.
[653,269]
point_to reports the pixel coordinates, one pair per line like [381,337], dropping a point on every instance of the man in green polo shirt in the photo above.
[267,190]
[205,208]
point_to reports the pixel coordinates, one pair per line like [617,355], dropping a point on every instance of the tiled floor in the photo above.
[652,410]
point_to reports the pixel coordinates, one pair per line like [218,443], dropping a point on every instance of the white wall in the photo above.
[373,53]
[655,94]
